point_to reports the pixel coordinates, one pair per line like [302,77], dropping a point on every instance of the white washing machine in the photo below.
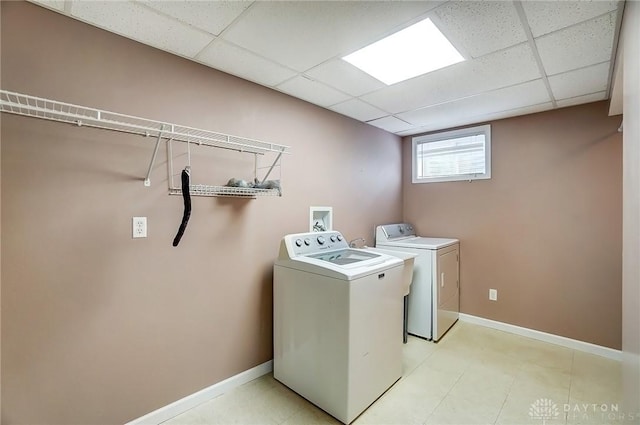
[434,300]
[337,312]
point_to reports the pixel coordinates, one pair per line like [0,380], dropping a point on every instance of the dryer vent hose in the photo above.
[186,196]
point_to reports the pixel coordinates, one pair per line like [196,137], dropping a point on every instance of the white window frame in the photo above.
[453,134]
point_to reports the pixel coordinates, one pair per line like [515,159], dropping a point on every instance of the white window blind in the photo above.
[455,155]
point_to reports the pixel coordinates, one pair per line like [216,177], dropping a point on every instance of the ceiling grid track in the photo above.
[532,43]
[179,21]
[614,48]
[198,55]
[502,42]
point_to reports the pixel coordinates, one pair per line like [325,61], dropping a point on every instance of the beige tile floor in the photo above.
[474,375]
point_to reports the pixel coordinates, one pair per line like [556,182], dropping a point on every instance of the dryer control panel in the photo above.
[394,231]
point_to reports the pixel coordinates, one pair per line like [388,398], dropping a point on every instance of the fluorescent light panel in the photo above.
[413,51]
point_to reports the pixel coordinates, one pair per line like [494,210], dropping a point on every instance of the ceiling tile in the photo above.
[210,16]
[579,82]
[579,100]
[135,21]
[527,94]
[303,34]
[312,91]
[391,124]
[51,4]
[234,60]
[500,69]
[345,77]
[480,27]
[358,109]
[273,43]
[548,16]
[461,121]
[578,46]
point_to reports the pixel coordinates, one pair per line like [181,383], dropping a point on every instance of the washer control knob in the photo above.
[298,242]
[401,229]
[321,240]
[307,241]
[339,238]
[333,238]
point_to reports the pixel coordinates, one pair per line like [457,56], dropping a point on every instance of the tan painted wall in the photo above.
[99,328]
[631,211]
[545,230]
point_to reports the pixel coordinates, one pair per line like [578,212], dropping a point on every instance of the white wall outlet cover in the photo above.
[493,294]
[139,227]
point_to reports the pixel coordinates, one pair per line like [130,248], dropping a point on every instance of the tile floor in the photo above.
[474,375]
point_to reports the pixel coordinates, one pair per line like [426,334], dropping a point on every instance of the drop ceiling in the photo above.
[521,57]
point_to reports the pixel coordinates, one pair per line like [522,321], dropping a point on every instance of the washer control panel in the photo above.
[309,243]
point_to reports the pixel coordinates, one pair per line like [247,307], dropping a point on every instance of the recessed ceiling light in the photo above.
[413,51]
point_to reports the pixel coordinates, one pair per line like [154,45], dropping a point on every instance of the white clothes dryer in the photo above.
[337,313]
[434,299]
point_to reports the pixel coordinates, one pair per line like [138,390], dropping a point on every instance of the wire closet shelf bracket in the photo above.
[36,107]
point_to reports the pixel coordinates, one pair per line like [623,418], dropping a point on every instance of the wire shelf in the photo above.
[226,191]
[36,107]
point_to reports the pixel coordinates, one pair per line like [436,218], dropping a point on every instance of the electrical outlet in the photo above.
[493,294]
[139,227]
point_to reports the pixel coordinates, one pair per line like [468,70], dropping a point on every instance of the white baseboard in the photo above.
[546,337]
[177,407]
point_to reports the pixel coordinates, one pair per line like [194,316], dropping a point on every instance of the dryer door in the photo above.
[448,290]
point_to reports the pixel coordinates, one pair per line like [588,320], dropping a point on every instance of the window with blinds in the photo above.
[453,155]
